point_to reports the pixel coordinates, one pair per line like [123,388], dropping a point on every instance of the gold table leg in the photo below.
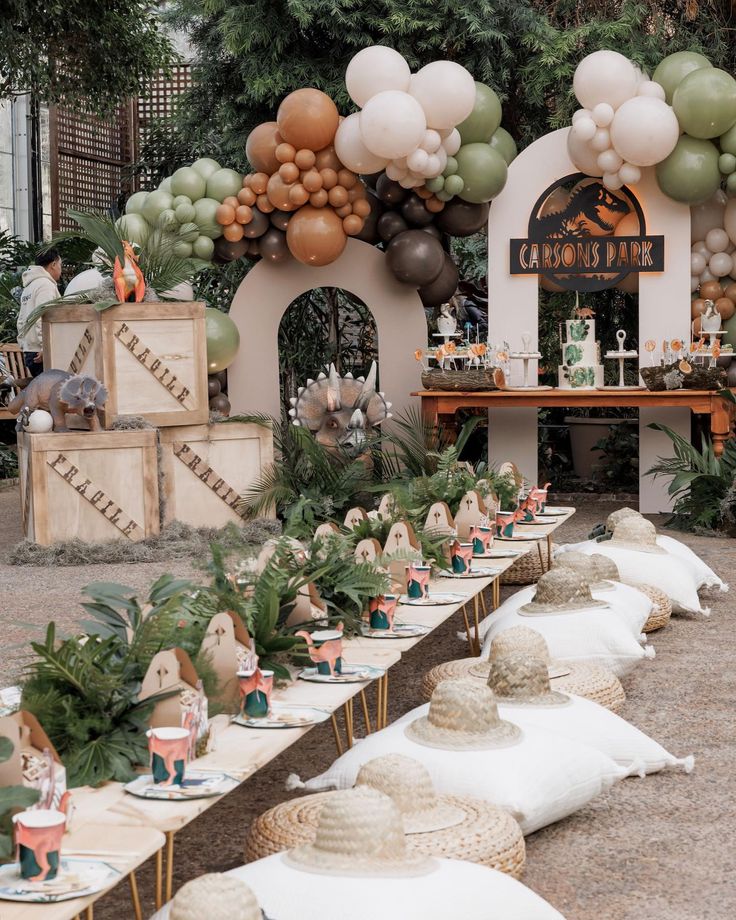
[135,897]
[384,715]
[496,601]
[338,739]
[468,631]
[159,879]
[541,555]
[476,625]
[366,716]
[348,711]
[549,551]
[169,865]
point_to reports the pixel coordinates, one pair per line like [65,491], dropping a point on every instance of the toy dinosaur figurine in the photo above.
[61,394]
[584,313]
[340,411]
[127,278]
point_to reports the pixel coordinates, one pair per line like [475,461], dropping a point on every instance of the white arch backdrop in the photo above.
[664,302]
[268,289]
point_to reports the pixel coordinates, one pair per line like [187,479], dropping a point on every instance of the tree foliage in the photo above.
[87,54]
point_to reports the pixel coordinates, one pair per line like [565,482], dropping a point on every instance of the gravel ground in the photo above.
[650,849]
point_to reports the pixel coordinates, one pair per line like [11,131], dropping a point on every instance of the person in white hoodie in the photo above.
[39,286]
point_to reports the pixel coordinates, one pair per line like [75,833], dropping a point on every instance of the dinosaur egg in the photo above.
[39,422]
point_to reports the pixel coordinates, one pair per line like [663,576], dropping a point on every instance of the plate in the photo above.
[400,631]
[351,674]
[283,715]
[552,512]
[537,523]
[86,876]
[499,553]
[196,785]
[484,572]
[434,600]
[518,539]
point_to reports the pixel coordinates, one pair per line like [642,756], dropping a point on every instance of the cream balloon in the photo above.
[601,140]
[710,214]
[396,172]
[584,159]
[707,275]
[431,141]
[446,92]
[697,263]
[87,280]
[694,283]
[417,160]
[602,114]
[729,219]
[644,131]
[392,124]
[629,174]
[351,150]
[39,422]
[720,264]
[702,249]
[605,76]
[612,181]
[584,128]
[717,240]
[609,161]
[652,89]
[183,292]
[452,143]
[374,70]
[580,113]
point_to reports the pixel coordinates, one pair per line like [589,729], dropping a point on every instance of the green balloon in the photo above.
[727,163]
[479,126]
[705,103]
[188,232]
[167,220]
[156,203]
[675,67]
[204,217]
[205,166]
[454,185]
[181,199]
[730,326]
[187,181]
[223,183]
[165,185]
[436,184]
[690,174]
[443,195]
[134,228]
[185,213]
[451,167]
[483,171]
[203,248]
[728,141]
[223,340]
[504,144]
[134,204]
[182,249]
[731,185]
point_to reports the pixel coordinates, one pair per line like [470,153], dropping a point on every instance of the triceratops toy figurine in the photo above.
[61,394]
[340,411]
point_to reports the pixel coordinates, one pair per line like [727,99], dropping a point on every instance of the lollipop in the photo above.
[650,346]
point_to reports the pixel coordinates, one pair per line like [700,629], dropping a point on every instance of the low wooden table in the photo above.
[437,403]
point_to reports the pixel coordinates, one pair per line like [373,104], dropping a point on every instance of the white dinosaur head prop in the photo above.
[340,411]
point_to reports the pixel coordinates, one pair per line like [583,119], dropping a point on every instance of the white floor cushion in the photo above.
[585,721]
[454,889]
[707,578]
[539,780]
[592,636]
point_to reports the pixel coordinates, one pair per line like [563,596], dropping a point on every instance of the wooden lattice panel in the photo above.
[159,104]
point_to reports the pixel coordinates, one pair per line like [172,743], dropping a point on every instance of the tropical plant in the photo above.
[8,462]
[701,483]
[619,465]
[12,800]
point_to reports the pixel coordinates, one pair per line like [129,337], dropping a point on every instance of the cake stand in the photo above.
[526,356]
[621,355]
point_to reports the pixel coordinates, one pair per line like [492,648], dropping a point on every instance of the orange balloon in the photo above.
[259,183]
[345,211]
[697,306]
[423,192]
[318,199]
[308,118]
[434,205]
[298,195]
[725,307]
[243,214]
[289,172]
[225,215]
[315,236]
[697,325]
[231,200]
[337,196]
[361,207]
[327,159]
[346,178]
[247,179]
[311,180]
[261,146]
[278,193]
[247,196]
[305,159]
[233,232]
[352,224]
[711,290]
[264,205]
[285,153]
[730,291]
[329,178]
[356,193]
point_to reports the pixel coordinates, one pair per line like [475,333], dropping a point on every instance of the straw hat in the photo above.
[519,640]
[453,827]
[523,680]
[598,570]
[463,716]
[615,516]
[661,610]
[217,897]
[636,533]
[360,833]
[560,590]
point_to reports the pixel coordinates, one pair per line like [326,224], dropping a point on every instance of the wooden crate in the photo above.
[96,486]
[152,357]
[207,467]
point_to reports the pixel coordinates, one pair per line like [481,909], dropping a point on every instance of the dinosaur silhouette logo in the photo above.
[590,211]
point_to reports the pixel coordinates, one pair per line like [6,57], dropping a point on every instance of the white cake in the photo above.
[581,356]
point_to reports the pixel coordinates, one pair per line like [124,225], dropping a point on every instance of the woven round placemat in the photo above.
[489,835]
[527,568]
[589,680]
[662,610]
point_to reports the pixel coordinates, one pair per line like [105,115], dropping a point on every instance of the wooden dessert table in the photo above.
[438,403]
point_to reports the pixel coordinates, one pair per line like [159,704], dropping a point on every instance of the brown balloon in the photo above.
[697,325]
[308,118]
[327,159]
[233,232]
[213,386]
[697,307]
[369,233]
[461,218]
[259,183]
[225,251]
[730,291]
[315,236]
[258,226]
[247,196]
[261,146]
[725,307]
[298,195]
[280,219]
[221,404]
[312,180]
[352,225]
[415,258]
[305,159]
[443,287]
[278,193]
[318,199]
[289,172]
[329,178]
[337,196]
[711,290]
[272,246]
[285,153]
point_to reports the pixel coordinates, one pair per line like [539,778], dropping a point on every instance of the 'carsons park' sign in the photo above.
[584,237]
